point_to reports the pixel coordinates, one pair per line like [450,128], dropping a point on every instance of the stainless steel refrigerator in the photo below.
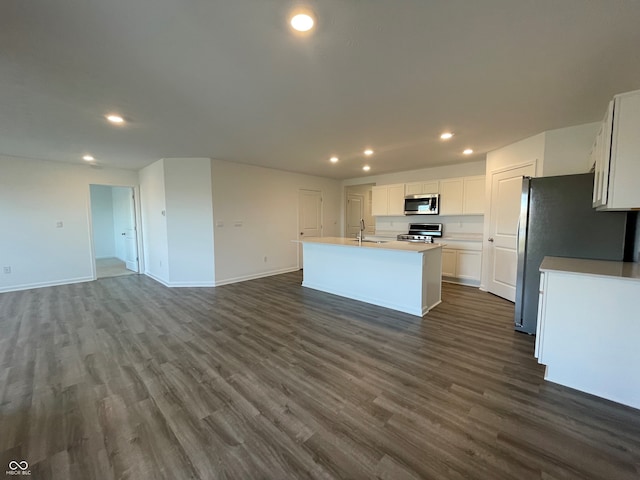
[557,219]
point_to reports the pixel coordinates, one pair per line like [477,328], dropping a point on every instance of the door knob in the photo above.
[301,233]
[123,234]
[490,239]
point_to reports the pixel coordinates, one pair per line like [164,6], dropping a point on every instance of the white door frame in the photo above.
[138,227]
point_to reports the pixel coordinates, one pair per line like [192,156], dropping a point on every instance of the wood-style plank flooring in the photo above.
[123,378]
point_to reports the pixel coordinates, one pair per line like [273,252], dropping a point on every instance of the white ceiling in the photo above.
[227,79]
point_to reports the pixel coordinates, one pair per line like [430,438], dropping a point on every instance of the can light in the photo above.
[467,151]
[115,119]
[333,159]
[88,158]
[446,135]
[302,22]
[366,168]
[368,152]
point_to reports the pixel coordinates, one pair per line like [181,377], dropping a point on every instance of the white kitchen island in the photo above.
[402,276]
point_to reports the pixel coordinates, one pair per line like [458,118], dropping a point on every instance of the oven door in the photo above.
[421,205]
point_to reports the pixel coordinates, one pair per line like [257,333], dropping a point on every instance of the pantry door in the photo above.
[309,217]
[504,212]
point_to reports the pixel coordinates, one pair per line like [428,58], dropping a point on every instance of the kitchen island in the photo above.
[401,276]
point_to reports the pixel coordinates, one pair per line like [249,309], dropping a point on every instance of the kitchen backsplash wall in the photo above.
[452,225]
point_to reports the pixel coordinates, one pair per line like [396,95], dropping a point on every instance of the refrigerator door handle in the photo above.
[521,239]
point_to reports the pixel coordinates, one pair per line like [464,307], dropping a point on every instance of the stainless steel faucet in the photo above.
[362,227]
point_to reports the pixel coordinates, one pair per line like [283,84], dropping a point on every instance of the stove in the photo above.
[422,232]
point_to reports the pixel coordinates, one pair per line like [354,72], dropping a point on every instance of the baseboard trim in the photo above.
[461,281]
[56,283]
[191,284]
[255,276]
[157,279]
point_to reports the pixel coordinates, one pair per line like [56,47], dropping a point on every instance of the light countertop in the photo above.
[600,268]
[392,245]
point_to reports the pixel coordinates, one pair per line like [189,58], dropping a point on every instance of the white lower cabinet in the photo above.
[449,262]
[461,263]
[588,328]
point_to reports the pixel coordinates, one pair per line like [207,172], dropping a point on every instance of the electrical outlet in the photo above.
[8,269]
[59,224]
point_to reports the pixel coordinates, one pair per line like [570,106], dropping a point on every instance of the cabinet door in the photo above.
[379,200]
[623,189]
[473,196]
[396,200]
[413,188]
[448,262]
[451,196]
[431,187]
[602,155]
[468,264]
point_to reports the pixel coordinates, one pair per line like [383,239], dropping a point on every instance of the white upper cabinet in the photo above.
[451,196]
[418,188]
[462,196]
[616,154]
[473,195]
[387,200]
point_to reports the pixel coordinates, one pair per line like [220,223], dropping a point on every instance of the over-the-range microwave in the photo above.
[425,204]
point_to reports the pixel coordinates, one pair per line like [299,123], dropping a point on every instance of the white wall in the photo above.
[34,196]
[265,202]
[154,225]
[189,221]
[523,151]
[102,221]
[567,150]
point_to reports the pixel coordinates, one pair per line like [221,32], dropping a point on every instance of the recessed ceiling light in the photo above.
[468,151]
[117,119]
[302,22]
[88,158]
[333,159]
[368,151]
[446,135]
[366,168]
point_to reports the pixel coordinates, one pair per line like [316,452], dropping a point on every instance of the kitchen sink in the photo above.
[364,240]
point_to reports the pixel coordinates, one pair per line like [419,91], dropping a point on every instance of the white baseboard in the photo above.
[179,284]
[190,284]
[244,278]
[157,279]
[55,283]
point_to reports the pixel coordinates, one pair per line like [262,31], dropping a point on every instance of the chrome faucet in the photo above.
[362,227]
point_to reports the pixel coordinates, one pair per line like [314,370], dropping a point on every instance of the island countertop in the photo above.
[392,245]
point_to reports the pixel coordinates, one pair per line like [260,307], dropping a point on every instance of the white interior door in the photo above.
[355,212]
[131,238]
[506,191]
[309,217]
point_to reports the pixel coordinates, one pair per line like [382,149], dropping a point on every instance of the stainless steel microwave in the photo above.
[426,204]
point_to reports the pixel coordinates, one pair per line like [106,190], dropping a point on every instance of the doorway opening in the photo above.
[357,207]
[115,236]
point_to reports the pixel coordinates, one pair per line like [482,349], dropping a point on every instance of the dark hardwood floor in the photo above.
[124,378]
